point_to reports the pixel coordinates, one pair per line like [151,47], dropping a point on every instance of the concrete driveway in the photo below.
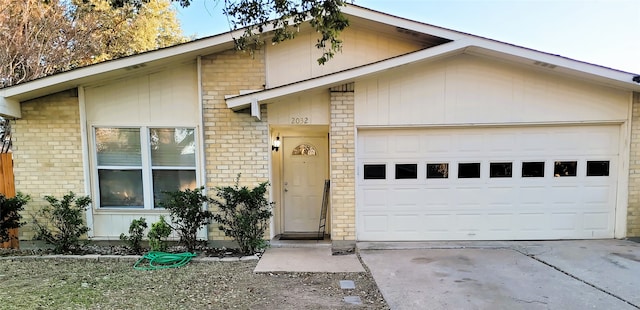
[591,274]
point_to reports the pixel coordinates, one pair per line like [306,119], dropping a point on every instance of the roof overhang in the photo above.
[555,63]
[72,78]
[473,46]
[241,102]
[11,97]
[10,108]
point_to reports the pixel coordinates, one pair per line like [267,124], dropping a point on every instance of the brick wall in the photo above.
[343,162]
[47,151]
[235,142]
[633,211]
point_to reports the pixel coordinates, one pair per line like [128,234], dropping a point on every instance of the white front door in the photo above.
[305,169]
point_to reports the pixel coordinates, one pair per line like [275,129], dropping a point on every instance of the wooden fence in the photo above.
[8,189]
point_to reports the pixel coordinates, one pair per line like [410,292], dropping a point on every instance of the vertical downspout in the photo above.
[86,169]
[203,159]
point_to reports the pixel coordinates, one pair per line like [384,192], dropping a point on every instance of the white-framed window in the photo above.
[136,165]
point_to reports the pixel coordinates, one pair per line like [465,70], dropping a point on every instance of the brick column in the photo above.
[343,176]
[234,142]
[633,211]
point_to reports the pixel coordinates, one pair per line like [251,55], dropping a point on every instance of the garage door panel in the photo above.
[596,221]
[375,197]
[532,222]
[436,144]
[406,223]
[564,221]
[407,197]
[437,222]
[469,222]
[467,143]
[597,194]
[501,196]
[437,196]
[567,142]
[500,222]
[532,195]
[501,143]
[406,144]
[488,208]
[533,143]
[468,196]
[565,194]
[375,223]
[375,145]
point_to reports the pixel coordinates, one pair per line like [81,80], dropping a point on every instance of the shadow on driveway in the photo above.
[590,274]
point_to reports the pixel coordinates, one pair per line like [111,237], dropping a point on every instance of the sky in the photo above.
[602,32]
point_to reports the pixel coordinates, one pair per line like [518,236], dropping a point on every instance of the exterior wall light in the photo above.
[276,144]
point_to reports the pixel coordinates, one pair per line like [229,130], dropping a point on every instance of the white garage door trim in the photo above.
[487,208]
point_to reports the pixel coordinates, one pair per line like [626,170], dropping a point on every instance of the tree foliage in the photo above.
[43,37]
[10,217]
[284,16]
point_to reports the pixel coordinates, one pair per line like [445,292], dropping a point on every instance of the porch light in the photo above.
[276,144]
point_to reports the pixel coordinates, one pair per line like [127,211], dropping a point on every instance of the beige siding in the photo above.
[296,60]
[235,142]
[306,109]
[471,90]
[633,210]
[165,98]
[113,223]
[47,151]
[342,165]
[160,98]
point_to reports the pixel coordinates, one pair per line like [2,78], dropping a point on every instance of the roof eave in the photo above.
[244,101]
[73,78]
[10,108]
[478,46]
[555,63]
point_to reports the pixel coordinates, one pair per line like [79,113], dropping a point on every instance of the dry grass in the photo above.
[111,284]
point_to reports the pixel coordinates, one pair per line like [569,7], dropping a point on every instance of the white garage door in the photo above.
[487,183]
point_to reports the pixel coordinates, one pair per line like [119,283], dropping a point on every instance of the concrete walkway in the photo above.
[593,274]
[307,259]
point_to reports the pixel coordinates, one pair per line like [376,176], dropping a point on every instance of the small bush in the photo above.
[244,215]
[158,234]
[62,222]
[10,217]
[136,232]
[187,214]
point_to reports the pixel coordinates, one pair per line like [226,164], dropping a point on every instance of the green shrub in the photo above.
[158,234]
[187,214]
[10,217]
[61,223]
[244,215]
[136,232]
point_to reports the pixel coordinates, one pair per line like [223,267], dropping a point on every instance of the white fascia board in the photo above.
[122,63]
[401,22]
[10,108]
[563,65]
[244,101]
[619,78]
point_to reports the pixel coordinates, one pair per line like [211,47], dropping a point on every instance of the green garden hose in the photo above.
[162,260]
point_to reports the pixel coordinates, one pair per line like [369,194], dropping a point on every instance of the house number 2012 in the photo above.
[299,120]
